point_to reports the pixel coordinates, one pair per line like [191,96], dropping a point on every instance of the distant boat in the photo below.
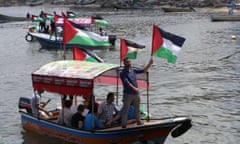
[85,2]
[224,17]
[35,2]
[178,9]
[133,7]
[55,2]
[5,18]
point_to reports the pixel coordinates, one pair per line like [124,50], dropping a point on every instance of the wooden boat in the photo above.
[6,18]
[132,7]
[177,9]
[85,2]
[226,17]
[35,2]
[57,43]
[79,78]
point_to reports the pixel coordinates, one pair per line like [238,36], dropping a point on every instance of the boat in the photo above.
[81,78]
[56,2]
[6,18]
[35,2]
[177,9]
[224,17]
[48,42]
[85,2]
[136,6]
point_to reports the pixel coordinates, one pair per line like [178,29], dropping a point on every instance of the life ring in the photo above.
[29,38]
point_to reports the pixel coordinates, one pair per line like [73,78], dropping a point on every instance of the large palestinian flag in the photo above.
[166,45]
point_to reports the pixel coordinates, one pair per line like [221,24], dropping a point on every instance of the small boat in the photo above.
[137,6]
[6,18]
[56,2]
[48,42]
[177,9]
[224,17]
[85,2]
[35,2]
[80,78]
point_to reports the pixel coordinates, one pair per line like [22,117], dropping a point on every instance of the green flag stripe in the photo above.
[132,55]
[167,54]
[88,41]
[91,59]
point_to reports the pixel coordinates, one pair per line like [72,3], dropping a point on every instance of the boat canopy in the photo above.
[83,22]
[77,78]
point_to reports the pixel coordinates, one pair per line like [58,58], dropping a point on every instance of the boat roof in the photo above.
[77,78]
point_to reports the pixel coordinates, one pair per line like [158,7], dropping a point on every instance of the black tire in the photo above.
[29,37]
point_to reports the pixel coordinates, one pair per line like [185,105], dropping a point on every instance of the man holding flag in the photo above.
[130,89]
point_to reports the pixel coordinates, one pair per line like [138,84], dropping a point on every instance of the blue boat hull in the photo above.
[147,133]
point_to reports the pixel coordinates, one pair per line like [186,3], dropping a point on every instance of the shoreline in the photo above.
[207,9]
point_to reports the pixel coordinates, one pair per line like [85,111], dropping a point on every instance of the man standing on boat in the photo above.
[130,90]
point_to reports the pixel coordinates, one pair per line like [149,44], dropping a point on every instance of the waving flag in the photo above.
[71,14]
[82,55]
[72,35]
[129,49]
[100,22]
[36,18]
[166,45]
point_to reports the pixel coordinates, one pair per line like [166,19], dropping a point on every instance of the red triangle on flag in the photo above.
[157,40]
[78,54]
[124,49]
[68,31]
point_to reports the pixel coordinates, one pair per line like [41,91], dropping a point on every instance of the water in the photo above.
[198,85]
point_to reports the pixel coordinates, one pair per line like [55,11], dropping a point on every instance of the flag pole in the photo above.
[64,51]
[118,70]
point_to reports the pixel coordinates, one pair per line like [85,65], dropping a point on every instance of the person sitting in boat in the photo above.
[78,118]
[108,113]
[88,103]
[88,125]
[38,106]
[65,115]
[102,32]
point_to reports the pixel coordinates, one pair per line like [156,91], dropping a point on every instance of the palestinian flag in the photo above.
[166,45]
[72,35]
[129,49]
[36,18]
[48,16]
[82,56]
[71,14]
[101,22]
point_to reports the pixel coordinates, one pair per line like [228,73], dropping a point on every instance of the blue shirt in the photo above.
[130,77]
[88,122]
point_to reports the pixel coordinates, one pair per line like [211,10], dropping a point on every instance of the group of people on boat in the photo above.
[105,114]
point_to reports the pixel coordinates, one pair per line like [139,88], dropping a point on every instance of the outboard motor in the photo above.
[25,103]
[112,39]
